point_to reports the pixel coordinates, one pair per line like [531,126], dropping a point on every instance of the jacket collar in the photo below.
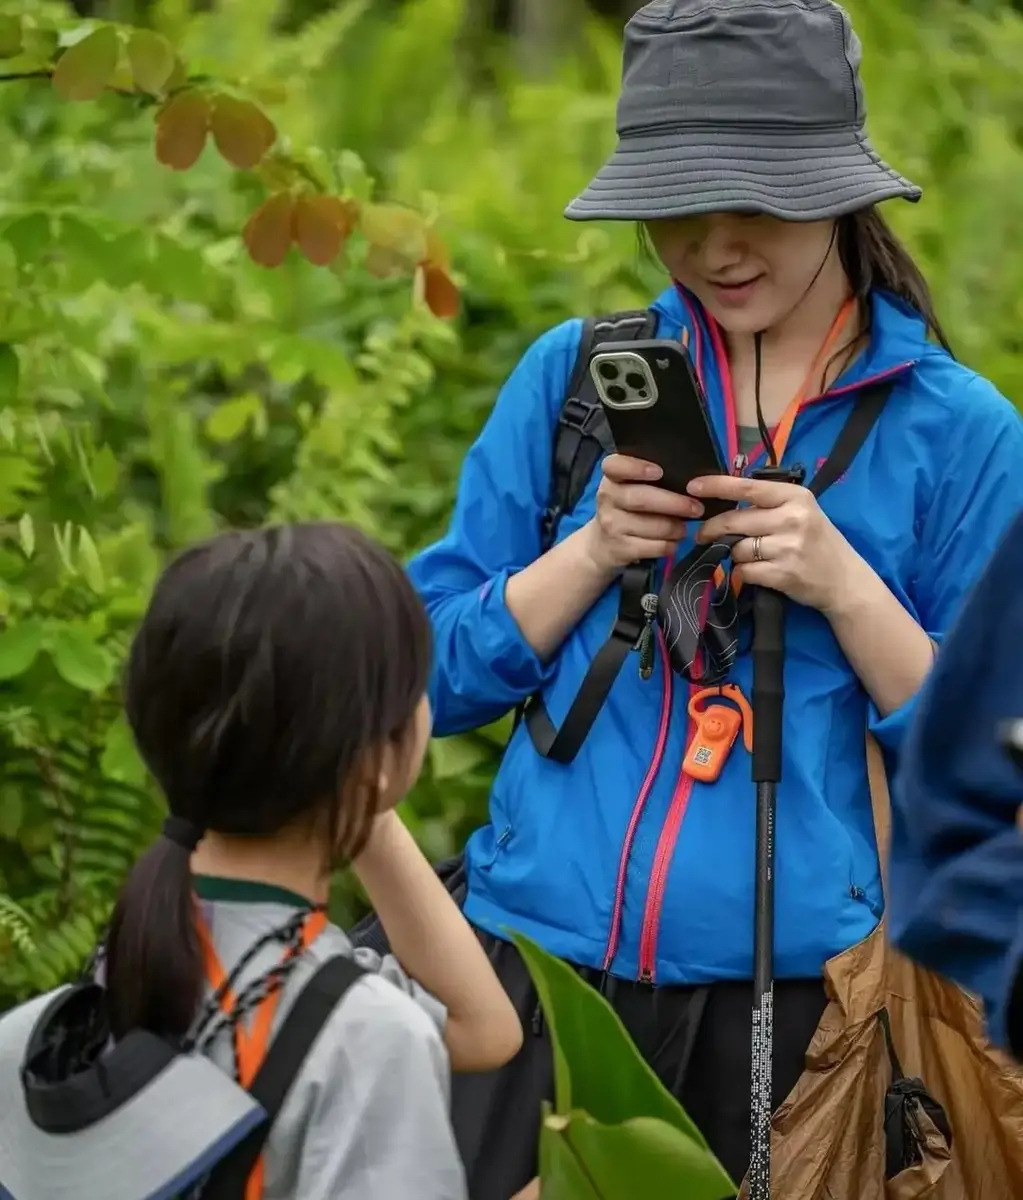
[898,338]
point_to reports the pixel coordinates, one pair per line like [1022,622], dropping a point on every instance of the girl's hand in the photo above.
[788,543]
[636,520]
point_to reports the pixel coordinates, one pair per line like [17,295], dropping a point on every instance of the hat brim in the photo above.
[796,176]
[155,1146]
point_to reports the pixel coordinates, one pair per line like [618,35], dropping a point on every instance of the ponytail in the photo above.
[874,257]
[153,967]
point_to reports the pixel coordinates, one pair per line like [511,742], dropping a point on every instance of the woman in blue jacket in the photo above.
[742,152]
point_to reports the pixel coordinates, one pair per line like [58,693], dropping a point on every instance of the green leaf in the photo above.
[105,471]
[12,813]
[152,60]
[85,68]
[563,1175]
[30,236]
[79,660]
[453,757]
[19,646]
[10,373]
[121,759]
[596,1066]
[89,560]
[643,1157]
[10,37]
[230,419]
[27,535]
[19,478]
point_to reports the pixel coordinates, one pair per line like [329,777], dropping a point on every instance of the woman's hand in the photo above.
[788,543]
[636,520]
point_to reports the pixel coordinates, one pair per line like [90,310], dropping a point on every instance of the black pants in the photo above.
[697,1039]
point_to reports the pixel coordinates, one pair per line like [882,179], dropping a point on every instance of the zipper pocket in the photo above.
[857,893]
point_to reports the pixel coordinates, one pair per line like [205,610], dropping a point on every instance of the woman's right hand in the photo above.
[636,520]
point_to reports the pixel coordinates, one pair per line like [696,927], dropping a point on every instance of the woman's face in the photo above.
[748,270]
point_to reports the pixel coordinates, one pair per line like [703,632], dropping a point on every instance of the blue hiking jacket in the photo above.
[956,881]
[617,860]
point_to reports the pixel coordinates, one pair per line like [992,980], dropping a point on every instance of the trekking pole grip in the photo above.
[769,661]
[768,683]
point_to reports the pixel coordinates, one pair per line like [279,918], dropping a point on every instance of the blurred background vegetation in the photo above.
[156,385]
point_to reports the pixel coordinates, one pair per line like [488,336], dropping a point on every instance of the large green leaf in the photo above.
[79,660]
[643,1157]
[626,1132]
[596,1065]
[19,645]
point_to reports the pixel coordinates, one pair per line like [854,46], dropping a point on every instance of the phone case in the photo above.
[656,411]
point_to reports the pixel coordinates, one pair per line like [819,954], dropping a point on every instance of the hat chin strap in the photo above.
[758,341]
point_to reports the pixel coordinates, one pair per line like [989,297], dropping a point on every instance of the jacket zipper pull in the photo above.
[739,464]
[646,637]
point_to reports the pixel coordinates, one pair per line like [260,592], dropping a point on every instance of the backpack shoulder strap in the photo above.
[865,412]
[582,435]
[292,1042]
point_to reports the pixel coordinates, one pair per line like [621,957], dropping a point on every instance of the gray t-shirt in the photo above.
[368,1116]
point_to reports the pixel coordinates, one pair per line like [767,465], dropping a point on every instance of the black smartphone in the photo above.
[656,411]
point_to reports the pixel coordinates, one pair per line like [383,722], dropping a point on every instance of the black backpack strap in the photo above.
[635,613]
[581,438]
[582,435]
[562,744]
[864,416]
[288,1050]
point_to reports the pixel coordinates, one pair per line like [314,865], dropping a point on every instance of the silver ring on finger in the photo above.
[758,553]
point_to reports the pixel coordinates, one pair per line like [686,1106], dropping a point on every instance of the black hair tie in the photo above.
[182,832]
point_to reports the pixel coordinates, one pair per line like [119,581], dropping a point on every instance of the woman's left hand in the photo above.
[787,542]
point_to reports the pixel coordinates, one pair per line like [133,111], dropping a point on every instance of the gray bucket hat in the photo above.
[740,105]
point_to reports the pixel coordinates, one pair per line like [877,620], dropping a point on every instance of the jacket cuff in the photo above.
[500,642]
[890,731]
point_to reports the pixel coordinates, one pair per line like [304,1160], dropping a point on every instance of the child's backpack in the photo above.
[84,1118]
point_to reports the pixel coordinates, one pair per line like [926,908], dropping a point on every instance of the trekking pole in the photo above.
[768,705]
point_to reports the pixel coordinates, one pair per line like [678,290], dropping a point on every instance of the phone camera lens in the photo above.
[635,380]
[617,394]
[609,370]
[643,394]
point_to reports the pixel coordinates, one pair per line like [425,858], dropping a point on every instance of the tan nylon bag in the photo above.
[828,1141]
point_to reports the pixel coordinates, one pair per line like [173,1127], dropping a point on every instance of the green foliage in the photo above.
[615,1131]
[156,384]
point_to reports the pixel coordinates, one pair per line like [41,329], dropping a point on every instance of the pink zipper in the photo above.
[667,685]
[659,873]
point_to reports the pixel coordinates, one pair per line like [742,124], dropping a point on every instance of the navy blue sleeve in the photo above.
[483,666]
[980,490]
[956,875]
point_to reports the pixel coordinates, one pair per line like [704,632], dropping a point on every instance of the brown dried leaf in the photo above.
[268,232]
[243,133]
[322,223]
[440,292]
[85,68]
[398,230]
[152,60]
[181,127]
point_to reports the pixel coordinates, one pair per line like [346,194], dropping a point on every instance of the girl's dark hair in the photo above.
[874,257]
[267,666]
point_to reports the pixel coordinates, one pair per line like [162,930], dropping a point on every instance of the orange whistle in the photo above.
[717,727]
